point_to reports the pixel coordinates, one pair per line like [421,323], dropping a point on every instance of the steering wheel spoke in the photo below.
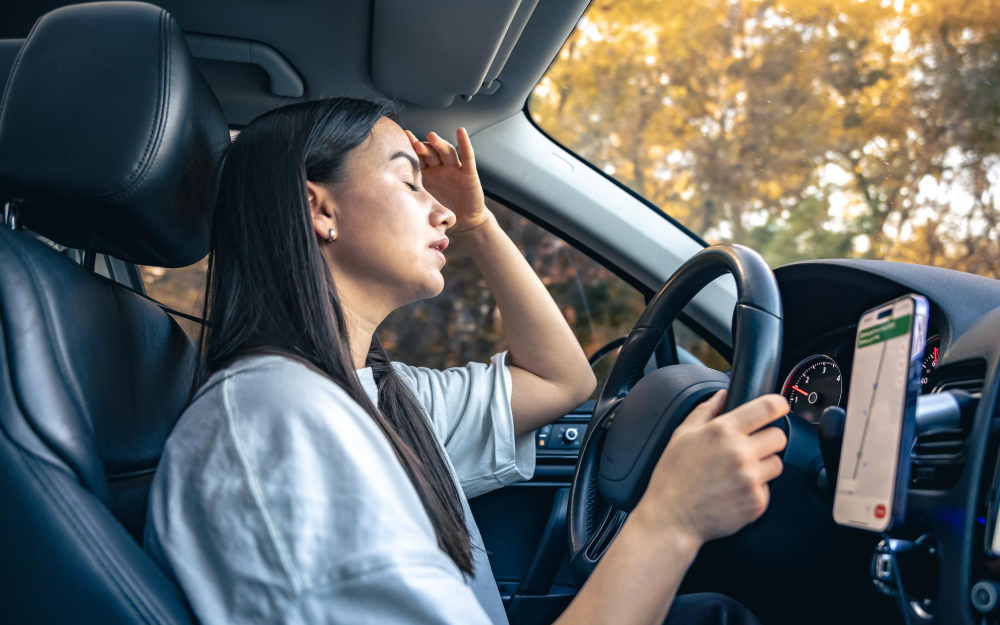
[605,534]
[616,459]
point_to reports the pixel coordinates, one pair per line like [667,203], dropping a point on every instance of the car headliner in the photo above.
[332,44]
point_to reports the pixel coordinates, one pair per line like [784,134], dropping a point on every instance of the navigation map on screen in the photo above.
[875,411]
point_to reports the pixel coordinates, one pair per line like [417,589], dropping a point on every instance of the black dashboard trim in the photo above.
[822,296]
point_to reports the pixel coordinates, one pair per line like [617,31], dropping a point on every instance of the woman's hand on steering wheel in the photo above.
[712,478]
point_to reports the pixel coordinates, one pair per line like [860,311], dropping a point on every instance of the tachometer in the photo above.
[813,384]
[931,353]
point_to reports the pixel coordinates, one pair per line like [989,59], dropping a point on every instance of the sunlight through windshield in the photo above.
[805,129]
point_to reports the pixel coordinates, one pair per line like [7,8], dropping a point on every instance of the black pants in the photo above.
[707,608]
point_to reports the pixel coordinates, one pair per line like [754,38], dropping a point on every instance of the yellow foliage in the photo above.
[824,114]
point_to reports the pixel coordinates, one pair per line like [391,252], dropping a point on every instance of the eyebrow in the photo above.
[413,162]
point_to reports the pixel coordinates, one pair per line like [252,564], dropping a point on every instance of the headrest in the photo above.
[8,52]
[110,136]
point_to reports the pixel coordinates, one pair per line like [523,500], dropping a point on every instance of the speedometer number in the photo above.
[812,385]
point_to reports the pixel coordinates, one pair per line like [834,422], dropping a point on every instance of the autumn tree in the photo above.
[822,128]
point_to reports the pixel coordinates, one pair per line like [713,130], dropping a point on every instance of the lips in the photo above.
[440,245]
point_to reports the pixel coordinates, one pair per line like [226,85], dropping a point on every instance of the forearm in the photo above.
[637,579]
[539,340]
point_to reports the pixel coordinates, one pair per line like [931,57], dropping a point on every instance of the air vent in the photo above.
[938,456]
[940,447]
[973,385]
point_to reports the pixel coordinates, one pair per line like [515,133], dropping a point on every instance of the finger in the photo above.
[767,442]
[770,468]
[757,413]
[412,137]
[465,147]
[707,410]
[426,153]
[430,154]
[766,496]
[445,150]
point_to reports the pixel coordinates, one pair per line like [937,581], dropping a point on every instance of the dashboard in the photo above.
[810,567]
[954,491]
[823,301]
[821,376]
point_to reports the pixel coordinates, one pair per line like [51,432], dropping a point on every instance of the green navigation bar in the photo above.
[884,331]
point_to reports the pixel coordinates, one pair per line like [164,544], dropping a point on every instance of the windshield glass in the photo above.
[803,129]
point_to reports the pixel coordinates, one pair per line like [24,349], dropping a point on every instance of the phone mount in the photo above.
[934,413]
[938,412]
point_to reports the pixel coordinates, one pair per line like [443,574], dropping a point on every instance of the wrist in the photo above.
[666,529]
[478,229]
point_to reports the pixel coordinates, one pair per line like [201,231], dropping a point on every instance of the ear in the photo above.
[323,210]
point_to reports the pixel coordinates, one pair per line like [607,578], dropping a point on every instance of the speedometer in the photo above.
[932,351]
[812,385]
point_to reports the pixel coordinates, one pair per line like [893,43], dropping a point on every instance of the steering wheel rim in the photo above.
[593,522]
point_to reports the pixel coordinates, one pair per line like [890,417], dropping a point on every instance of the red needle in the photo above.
[800,390]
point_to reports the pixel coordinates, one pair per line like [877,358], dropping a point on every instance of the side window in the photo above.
[182,289]
[689,341]
[463,324]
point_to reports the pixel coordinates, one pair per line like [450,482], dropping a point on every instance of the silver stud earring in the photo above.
[333,235]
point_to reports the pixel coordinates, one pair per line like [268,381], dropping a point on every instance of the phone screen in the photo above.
[884,384]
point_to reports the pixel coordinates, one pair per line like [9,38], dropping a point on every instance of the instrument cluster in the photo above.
[820,379]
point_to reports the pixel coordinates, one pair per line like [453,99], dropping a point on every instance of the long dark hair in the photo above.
[269,288]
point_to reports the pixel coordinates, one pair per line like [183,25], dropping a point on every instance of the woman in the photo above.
[285,495]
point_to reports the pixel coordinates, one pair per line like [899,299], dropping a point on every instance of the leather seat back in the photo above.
[92,378]
[109,140]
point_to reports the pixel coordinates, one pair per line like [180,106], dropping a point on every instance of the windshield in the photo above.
[803,129]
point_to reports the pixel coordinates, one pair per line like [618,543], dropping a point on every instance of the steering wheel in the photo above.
[634,418]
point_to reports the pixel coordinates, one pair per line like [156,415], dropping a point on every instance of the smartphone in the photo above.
[879,428]
[993,538]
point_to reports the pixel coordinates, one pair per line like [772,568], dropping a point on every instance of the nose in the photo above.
[441,214]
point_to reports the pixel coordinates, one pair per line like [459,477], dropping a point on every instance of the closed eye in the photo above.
[413,187]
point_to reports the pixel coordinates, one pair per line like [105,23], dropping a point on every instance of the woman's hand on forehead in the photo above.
[450,175]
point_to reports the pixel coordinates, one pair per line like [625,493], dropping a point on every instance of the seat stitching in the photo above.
[103,556]
[128,475]
[144,162]
[76,394]
[55,496]
[156,136]
[144,167]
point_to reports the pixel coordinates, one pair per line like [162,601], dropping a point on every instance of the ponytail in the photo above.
[269,288]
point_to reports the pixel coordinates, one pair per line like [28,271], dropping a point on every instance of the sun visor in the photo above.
[431,52]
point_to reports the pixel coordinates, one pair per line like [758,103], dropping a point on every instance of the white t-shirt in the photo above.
[278,499]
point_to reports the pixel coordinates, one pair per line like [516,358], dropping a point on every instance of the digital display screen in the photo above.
[889,341]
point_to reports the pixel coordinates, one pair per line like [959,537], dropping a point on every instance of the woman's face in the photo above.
[387,225]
